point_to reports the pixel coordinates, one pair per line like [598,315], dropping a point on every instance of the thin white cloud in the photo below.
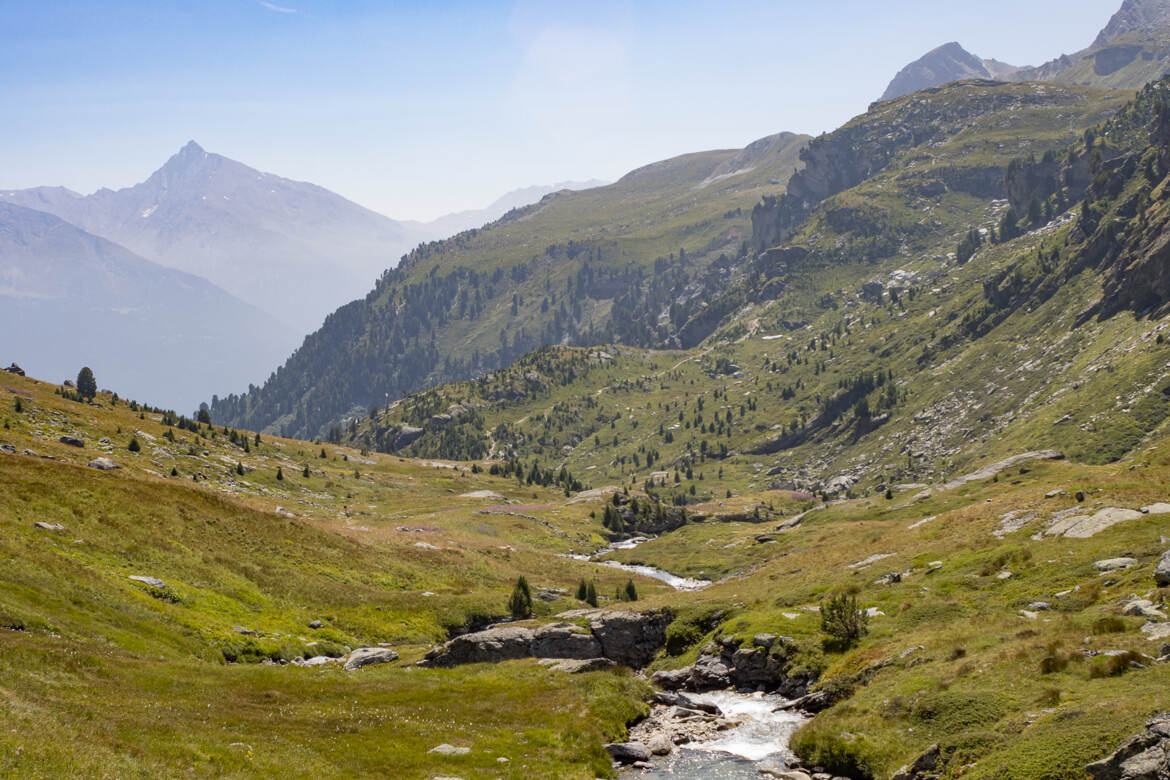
[277,8]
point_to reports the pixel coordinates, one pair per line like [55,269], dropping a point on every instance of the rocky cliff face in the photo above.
[1135,15]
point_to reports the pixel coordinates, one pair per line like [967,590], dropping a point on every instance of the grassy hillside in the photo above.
[957,360]
[578,268]
[107,674]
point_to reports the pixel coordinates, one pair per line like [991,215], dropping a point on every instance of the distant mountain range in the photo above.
[69,298]
[293,249]
[1132,50]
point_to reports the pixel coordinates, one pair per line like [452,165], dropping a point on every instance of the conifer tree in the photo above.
[520,603]
[86,384]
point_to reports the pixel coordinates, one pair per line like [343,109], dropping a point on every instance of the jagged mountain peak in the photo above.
[949,62]
[1133,16]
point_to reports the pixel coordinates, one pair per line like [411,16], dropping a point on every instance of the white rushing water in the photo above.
[673,580]
[761,739]
[763,731]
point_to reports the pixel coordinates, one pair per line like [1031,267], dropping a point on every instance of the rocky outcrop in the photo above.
[628,752]
[499,643]
[623,637]
[1143,757]
[759,664]
[923,766]
[631,638]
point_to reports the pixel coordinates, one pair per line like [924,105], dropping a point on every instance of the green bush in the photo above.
[843,620]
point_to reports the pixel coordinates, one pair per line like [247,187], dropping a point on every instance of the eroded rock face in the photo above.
[631,638]
[565,640]
[1143,757]
[625,637]
[762,663]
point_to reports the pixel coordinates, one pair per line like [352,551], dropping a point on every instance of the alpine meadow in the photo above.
[841,455]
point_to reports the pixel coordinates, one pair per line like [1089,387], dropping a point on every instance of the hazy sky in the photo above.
[416,109]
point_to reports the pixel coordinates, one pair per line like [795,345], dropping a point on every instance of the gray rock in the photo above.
[407,435]
[72,441]
[1142,608]
[631,638]
[449,750]
[103,464]
[48,526]
[1162,570]
[764,640]
[1040,606]
[922,767]
[244,631]
[564,640]
[1142,757]
[1115,564]
[315,624]
[369,656]
[628,752]
[690,703]
[153,582]
[1159,508]
[1085,527]
[710,673]
[660,745]
[8,448]
[672,679]
[499,643]
[321,660]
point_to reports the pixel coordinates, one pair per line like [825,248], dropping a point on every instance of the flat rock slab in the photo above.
[1114,564]
[988,472]
[48,526]
[153,582]
[103,464]
[481,494]
[1156,509]
[628,752]
[449,750]
[369,656]
[1085,526]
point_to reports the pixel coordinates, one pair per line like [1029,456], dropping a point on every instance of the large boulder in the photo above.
[628,752]
[631,638]
[103,464]
[369,656]
[499,643]
[1143,757]
[1162,570]
[565,640]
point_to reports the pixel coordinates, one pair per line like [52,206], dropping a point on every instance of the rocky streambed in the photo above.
[673,580]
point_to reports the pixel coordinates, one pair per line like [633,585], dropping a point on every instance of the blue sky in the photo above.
[416,109]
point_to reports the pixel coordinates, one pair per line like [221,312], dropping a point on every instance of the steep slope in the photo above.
[850,349]
[293,249]
[608,263]
[450,224]
[72,299]
[1132,50]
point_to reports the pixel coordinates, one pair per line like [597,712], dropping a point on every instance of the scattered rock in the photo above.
[1143,757]
[1114,564]
[1142,608]
[1040,606]
[628,752]
[449,750]
[103,464]
[72,441]
[320,660]
[244,631]
[153,582]
[8,448]
[369,656]
[425,546]
[48,526]
[315,624]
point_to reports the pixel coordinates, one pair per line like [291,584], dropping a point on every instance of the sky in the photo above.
[417,109]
